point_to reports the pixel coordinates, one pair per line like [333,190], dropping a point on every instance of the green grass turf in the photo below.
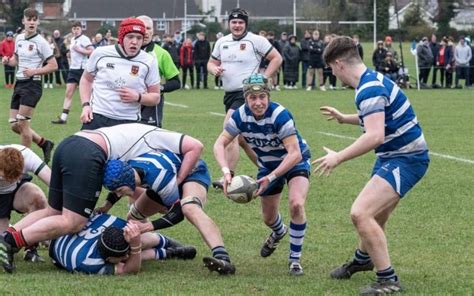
[430,233]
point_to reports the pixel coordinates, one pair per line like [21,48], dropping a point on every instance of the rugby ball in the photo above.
[242,189]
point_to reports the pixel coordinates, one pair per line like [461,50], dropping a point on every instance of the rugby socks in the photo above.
[297,232]
[278,227]
[64,114]
[160,249]
[15,238]
[387,275]
[361,257]
[220,252]
[160,254]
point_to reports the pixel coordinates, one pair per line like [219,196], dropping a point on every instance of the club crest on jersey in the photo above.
[134,70]
[243,46]
[31,47]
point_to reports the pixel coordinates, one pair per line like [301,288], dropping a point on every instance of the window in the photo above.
[39,7]
[108,22]
[161,25]
[84,25]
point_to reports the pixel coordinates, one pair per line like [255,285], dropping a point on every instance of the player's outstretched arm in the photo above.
[219,154]
[332,113]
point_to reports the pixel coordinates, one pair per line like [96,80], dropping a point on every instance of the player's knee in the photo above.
[191,206]
[297,207]
[358,216]
[38,201]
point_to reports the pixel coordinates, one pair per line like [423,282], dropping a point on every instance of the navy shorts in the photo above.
[74,75]
[200,174]
[233,100]
[102,121]
[26,93]
[76,175]
[402,172]
[303,168]
[6,200]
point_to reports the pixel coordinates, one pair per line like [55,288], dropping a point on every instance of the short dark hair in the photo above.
[112,243]
[76,24]
[341,48]
[30,13]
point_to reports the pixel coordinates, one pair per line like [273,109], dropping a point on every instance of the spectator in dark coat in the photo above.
[441,61]
[291,56]
[449,61]
[276,77]
[305,56]
[316,63]
[379,54]
[171,47]
[425,60]
[202,52]
[434,46]
[186,61]
[389,67]
[63,66]
[359,46]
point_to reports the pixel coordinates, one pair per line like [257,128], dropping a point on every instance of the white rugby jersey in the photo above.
[33,164]
[127,141]
[112,70]
[240,58]
[79,60]
[31,53]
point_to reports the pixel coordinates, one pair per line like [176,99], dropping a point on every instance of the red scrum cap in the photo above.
[130,25]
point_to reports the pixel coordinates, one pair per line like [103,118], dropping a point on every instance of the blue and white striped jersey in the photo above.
[78,252]
[160,170]
[403,134]
[265,136]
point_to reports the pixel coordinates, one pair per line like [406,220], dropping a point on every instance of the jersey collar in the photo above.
[122,53]
[77,37]
[241,37]
[31,37]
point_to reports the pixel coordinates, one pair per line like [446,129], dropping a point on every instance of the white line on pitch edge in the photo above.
[217,114]
[176,105]
[432,153]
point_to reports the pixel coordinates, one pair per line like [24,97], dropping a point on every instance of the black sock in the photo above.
[220,252]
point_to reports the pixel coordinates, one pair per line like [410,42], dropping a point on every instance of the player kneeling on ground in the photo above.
[282,155]
[16,190]
[110,245]
[157,173]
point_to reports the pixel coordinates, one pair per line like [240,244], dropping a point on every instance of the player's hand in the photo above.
[218,71]
[103,209]
[262,185]
[131,231]
[332,113]
[145,227]
[326,163]
[29,72]
[128,95]
[86,115]
[227,181]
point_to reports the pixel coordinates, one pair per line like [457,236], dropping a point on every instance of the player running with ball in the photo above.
[281,155]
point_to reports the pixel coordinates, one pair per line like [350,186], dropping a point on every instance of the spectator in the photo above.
[360,49]
[471,65]
[264,63]
[202,52]
[48,78]
[61,71]
[291,56]
[7,49]
[441,61]
[305,57]
[425,60]
[316,63]
[178,39]
[434,46]
[281,45]
[170,46]
[275,77]
[389,47]
[186,61]
[449,61]
[379,54]
[389,67]
[99,41]
[462,57]
[217,79]
[327,70]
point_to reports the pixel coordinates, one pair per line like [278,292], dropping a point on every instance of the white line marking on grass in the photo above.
[446,156]
[176,105]
[217,114]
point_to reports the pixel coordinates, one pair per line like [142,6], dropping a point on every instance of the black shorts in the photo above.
[233,100]
[76,175]
[74,75]
[102,121]
[316,64]
[27,93]
[6,200]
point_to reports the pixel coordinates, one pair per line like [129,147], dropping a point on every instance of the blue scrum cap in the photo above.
[118,173]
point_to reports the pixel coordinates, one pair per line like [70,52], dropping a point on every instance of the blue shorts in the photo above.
[303,168]
[402,172]
[200,174]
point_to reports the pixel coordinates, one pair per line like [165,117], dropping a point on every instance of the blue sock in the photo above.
[160,253]
[278,227]
[387,275]
[220,252]
[163,244]
[361,257]
[297,232]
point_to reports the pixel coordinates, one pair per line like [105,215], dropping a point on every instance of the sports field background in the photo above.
[430,234]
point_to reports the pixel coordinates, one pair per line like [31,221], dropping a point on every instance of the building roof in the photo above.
[119,9]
